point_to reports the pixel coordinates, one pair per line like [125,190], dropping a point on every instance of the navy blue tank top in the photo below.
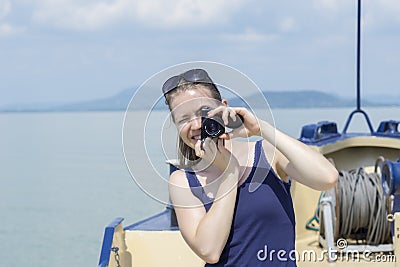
[263,227]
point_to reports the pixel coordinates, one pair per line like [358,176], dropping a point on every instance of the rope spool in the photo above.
[359,208]
[362,208]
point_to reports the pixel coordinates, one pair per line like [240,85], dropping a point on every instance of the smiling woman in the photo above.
[219,217]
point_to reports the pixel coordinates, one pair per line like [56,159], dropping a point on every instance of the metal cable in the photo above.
[362,207]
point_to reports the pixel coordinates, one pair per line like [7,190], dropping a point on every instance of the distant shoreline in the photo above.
[305,99]
[124,110]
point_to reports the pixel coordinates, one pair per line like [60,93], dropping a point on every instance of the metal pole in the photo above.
[358,54]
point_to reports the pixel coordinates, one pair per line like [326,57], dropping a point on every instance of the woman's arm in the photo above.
[300,161]
[296,159]
[206,232]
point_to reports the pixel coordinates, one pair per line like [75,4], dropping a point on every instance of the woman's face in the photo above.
[186,112]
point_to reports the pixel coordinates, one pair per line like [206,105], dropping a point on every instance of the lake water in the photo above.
[63,177]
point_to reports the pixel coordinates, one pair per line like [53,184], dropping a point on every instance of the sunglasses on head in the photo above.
[193,75]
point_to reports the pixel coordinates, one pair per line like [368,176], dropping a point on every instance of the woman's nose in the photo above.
[196,123]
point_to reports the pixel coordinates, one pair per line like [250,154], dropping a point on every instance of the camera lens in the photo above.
[213,128]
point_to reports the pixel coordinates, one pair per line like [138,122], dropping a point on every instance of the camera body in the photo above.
[214,126]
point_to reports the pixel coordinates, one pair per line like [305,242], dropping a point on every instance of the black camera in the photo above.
[214,126]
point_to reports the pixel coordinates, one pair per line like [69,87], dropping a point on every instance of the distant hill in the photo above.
[298,99]
[117,102]
[145,99]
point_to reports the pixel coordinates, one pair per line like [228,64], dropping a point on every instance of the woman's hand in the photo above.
[250,127]
[207,232]
[216,153]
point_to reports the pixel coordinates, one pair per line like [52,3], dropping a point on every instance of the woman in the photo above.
[223,221]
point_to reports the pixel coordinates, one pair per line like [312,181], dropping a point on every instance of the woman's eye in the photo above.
[182,121]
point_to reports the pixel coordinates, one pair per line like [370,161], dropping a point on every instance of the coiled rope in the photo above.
[362,206]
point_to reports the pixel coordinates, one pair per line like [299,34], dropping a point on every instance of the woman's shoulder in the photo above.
[180,192]
[178,177]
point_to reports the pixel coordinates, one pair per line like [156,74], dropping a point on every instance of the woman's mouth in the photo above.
[196,137]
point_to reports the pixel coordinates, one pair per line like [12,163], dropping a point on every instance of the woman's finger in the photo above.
[224,136]
[225,114]
[240,111]
[232,114]
[198,149]
[218,109]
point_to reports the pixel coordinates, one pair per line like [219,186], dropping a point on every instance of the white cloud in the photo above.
[187,12]
[157,13]
[287,24]
[7,29]
[5,8]
[74,15]
[250,36]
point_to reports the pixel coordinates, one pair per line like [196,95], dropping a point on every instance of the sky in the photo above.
[61,51]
